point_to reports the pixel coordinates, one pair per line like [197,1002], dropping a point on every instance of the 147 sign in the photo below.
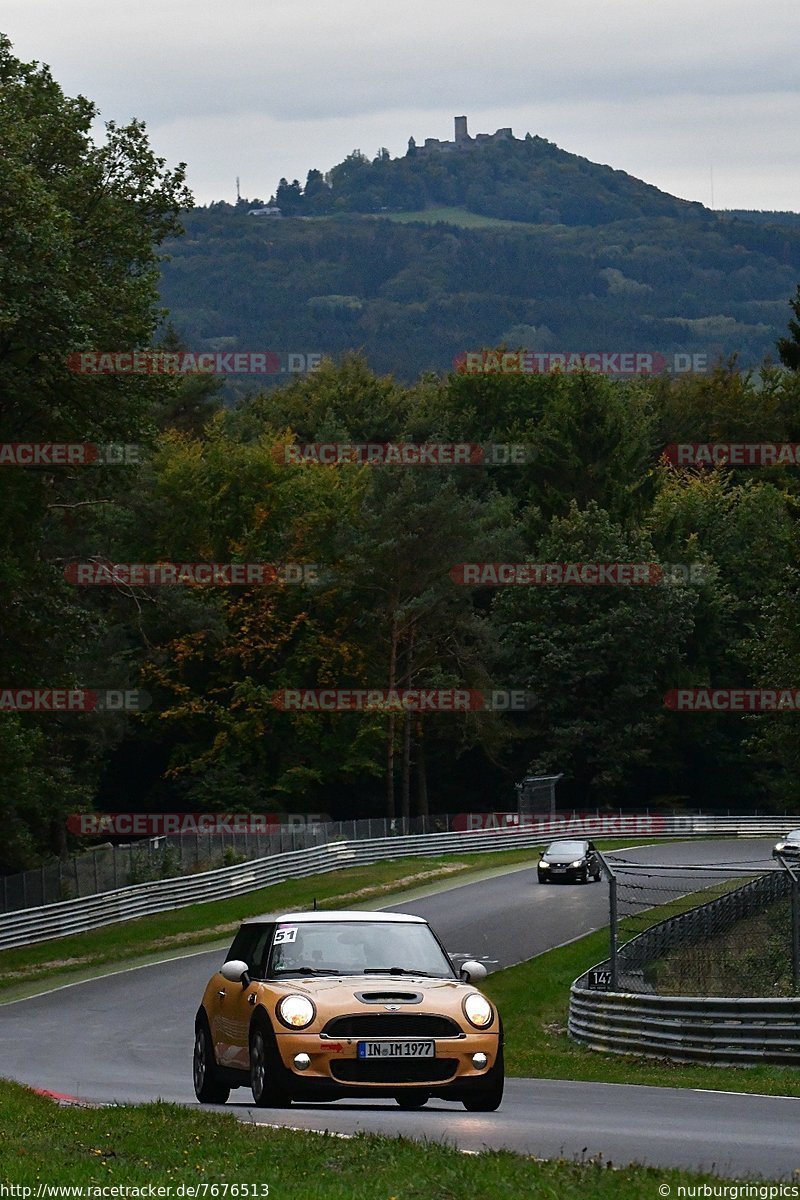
[599,981]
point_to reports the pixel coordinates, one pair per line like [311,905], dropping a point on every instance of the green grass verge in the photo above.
[534,1001]
[164,1144]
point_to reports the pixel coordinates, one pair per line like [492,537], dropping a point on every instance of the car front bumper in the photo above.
[566,875]
[334,1065]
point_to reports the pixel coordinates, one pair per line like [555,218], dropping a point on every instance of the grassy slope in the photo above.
[460,217]
[164,1144]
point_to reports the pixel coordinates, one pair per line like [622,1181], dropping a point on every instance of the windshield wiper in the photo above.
[305,971]
[397,971]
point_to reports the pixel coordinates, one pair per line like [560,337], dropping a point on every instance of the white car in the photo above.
[788,846]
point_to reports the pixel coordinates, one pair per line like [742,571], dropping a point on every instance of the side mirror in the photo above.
[472,971]
[237,971]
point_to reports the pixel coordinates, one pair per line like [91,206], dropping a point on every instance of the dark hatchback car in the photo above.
[570,861]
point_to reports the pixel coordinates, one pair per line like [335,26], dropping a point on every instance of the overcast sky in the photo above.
[686,94]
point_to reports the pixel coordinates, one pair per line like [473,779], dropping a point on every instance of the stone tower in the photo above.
[461,131]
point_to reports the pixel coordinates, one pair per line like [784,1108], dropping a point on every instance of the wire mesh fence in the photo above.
[723,929]
[108,867]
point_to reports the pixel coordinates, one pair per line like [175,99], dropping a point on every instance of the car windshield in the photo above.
[568,849]
[357,948]
[794,836]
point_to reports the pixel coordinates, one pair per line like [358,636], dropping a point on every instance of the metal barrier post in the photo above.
[795,921]
[613,938]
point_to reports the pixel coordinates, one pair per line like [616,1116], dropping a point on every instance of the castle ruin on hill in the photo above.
[462,140]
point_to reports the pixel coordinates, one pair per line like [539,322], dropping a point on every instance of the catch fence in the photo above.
[717,979]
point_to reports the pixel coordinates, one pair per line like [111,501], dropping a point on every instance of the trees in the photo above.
[417,629]
[80,227]
[289,197]
[789,347]
[598,659]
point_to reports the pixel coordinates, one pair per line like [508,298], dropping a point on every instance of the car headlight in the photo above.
[478,1010]
[578,863]
[296,1011]
[545,866]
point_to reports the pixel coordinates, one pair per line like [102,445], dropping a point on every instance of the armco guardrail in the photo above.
[107,868]
[688,1029]
[30,925]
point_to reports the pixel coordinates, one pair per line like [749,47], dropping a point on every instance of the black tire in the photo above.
[267,1073]
[412,1099]
[586,876]
[207,1087]
[487,1098]
[543,879]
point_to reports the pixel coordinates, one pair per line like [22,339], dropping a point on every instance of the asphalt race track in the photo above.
[128,1038]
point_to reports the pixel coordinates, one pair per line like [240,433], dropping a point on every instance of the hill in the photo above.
[528,179]
[515,242]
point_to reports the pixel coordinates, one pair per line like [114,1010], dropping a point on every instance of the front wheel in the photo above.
[487,1098]
[207,1087]
[266,1070]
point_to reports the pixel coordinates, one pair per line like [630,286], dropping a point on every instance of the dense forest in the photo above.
[414,295]
[210,483]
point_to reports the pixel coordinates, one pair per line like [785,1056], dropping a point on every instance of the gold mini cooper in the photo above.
[323,1005]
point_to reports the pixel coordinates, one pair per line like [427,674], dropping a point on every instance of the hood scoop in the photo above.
[385,997]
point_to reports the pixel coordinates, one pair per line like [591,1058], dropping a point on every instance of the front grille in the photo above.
[394,1025]
[393,1070]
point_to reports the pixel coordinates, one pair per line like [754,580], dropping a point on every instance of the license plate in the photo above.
[559,870]
[405,1049]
